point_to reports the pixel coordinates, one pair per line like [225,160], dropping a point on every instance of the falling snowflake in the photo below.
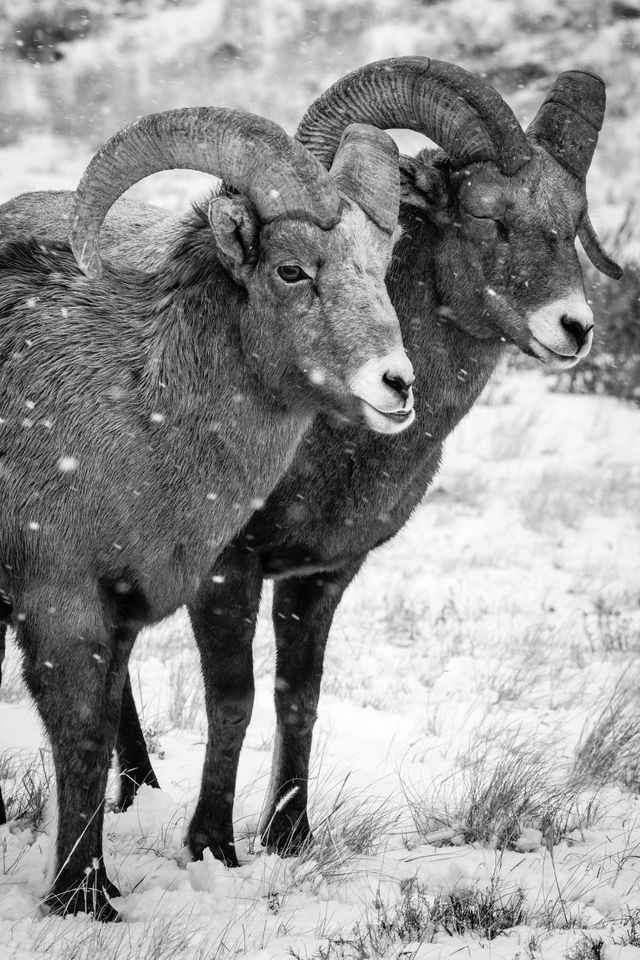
[67,464]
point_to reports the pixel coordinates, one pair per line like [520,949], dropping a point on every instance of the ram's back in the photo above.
[134,233]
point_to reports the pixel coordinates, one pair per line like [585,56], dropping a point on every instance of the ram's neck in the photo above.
[212,424]
[451,365]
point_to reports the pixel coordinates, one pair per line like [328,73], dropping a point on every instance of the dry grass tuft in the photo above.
[500,790]
[586,948]
[610,749]
[26,785]
[631,930]
[487,912]
[416,918]
[345,826]
[354,827]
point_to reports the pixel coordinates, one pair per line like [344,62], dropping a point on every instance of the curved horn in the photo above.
[595,251]
[567,126]
[462,113]
[254,155]
[569,121]
[366,169]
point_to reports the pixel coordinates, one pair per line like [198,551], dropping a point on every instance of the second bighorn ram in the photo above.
[144,415]
[486,256]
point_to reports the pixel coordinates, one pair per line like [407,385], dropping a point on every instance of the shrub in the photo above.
[37,34]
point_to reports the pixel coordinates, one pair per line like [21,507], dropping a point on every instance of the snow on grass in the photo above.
[464,775]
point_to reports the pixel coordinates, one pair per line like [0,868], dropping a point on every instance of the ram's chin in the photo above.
[389,422]
[556,361]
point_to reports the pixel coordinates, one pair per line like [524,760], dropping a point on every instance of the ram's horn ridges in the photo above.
[570,119]
[251,153]
[460,112]
[366,169]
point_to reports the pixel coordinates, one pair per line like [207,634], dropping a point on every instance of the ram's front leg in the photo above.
[303,610]
[75,667]
[224,620]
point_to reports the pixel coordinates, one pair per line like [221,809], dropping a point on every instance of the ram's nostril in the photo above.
[400,384]
[577,329]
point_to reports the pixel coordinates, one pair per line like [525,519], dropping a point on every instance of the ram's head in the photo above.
[504,206]
[308,249]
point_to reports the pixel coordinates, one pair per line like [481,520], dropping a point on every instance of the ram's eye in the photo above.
[291,273]
[503,231]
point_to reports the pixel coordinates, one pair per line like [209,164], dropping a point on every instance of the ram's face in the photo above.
[326,318]
[512,246]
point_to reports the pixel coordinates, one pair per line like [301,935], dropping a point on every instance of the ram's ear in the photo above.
[424,184]
[235,227]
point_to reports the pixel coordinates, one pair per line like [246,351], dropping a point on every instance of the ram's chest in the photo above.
[126,504]
[172,532]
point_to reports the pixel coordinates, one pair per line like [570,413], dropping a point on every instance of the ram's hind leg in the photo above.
[303,610]
[75,667]
[224,619]
[133,756]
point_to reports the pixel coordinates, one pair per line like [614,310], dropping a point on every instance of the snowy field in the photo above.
[469,661]
[476,768]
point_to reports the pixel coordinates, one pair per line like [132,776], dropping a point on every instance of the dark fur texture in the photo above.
[478,255]
[142,416]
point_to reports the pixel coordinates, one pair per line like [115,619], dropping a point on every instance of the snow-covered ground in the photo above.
[466,663]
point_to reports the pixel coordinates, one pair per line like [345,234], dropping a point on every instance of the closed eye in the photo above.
[292,273]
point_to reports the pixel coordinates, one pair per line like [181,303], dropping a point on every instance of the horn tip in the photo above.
[92,271]
[616,271]
[87,258]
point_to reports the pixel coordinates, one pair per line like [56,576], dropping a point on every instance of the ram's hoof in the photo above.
[90,898]
[287,833]
[222,847]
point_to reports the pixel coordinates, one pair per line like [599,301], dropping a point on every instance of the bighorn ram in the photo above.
[487,256]
[145,414]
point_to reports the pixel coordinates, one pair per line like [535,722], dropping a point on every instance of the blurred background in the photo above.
[74,71]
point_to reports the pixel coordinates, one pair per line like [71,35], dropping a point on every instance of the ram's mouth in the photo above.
[387,421]
[560,361]
[399,415]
